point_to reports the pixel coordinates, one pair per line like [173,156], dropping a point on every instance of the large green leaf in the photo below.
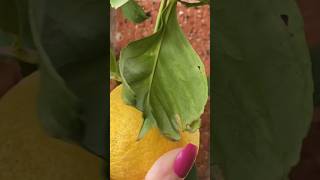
[9,16]
[132,11]
[16,31]
[165,78]
[262,88]
[6,40]
[71,39]
[87,80]
[25,38]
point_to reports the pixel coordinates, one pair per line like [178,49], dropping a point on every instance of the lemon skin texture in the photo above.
[129,158]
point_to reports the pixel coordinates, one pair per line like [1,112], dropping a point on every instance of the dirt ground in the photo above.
[195,23]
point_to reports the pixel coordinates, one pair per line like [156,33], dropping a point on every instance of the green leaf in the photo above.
[315,58]
[26,68]
[262,89]
[71,39]
[23,55]
[14,19]
[6,40]
[118,3]
[8,50]
[18,39]
[216,173]
[9,16]
[87,80]
[165,78]
[192,174]
[25,39]
[132,11]
[10,47]
[114,69]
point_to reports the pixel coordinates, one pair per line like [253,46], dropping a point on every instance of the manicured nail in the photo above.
[184,161]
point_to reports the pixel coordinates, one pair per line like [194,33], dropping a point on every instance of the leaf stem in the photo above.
[162,5]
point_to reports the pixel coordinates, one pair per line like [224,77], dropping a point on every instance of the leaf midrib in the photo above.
[157,58]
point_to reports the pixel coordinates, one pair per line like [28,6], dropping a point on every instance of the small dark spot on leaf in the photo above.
[285,19]
[199,67]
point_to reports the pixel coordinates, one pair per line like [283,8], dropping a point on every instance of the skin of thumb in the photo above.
[162,169]
[173,165]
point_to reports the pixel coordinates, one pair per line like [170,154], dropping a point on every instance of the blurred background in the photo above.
[60,138]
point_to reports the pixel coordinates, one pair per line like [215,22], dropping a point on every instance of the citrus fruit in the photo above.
[27,152]
[129,158]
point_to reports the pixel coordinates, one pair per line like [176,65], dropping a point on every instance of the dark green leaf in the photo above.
[6,40]
[24,55]
[216,173]
[25,39]
[87,80]
[132,11]
[7,50]
[165,78]
[315,58]
[10,47]
[9,16]
[14,20]
[192,174]
[263,89]
[71,38]
[18,42]
[27,68]
[114,67]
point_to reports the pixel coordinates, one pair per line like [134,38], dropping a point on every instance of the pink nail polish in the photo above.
[184,161]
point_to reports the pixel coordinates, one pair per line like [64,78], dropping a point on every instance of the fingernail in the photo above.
[184,161]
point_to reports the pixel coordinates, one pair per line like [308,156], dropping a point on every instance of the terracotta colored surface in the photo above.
[309,165]
[204,152]
[195,23]
[310,10]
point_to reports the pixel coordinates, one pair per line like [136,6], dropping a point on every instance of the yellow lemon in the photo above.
[27,152]
[129,158]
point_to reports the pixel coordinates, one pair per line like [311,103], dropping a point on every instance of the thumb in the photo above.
[173,165]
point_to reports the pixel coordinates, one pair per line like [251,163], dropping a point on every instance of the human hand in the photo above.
[173,165]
